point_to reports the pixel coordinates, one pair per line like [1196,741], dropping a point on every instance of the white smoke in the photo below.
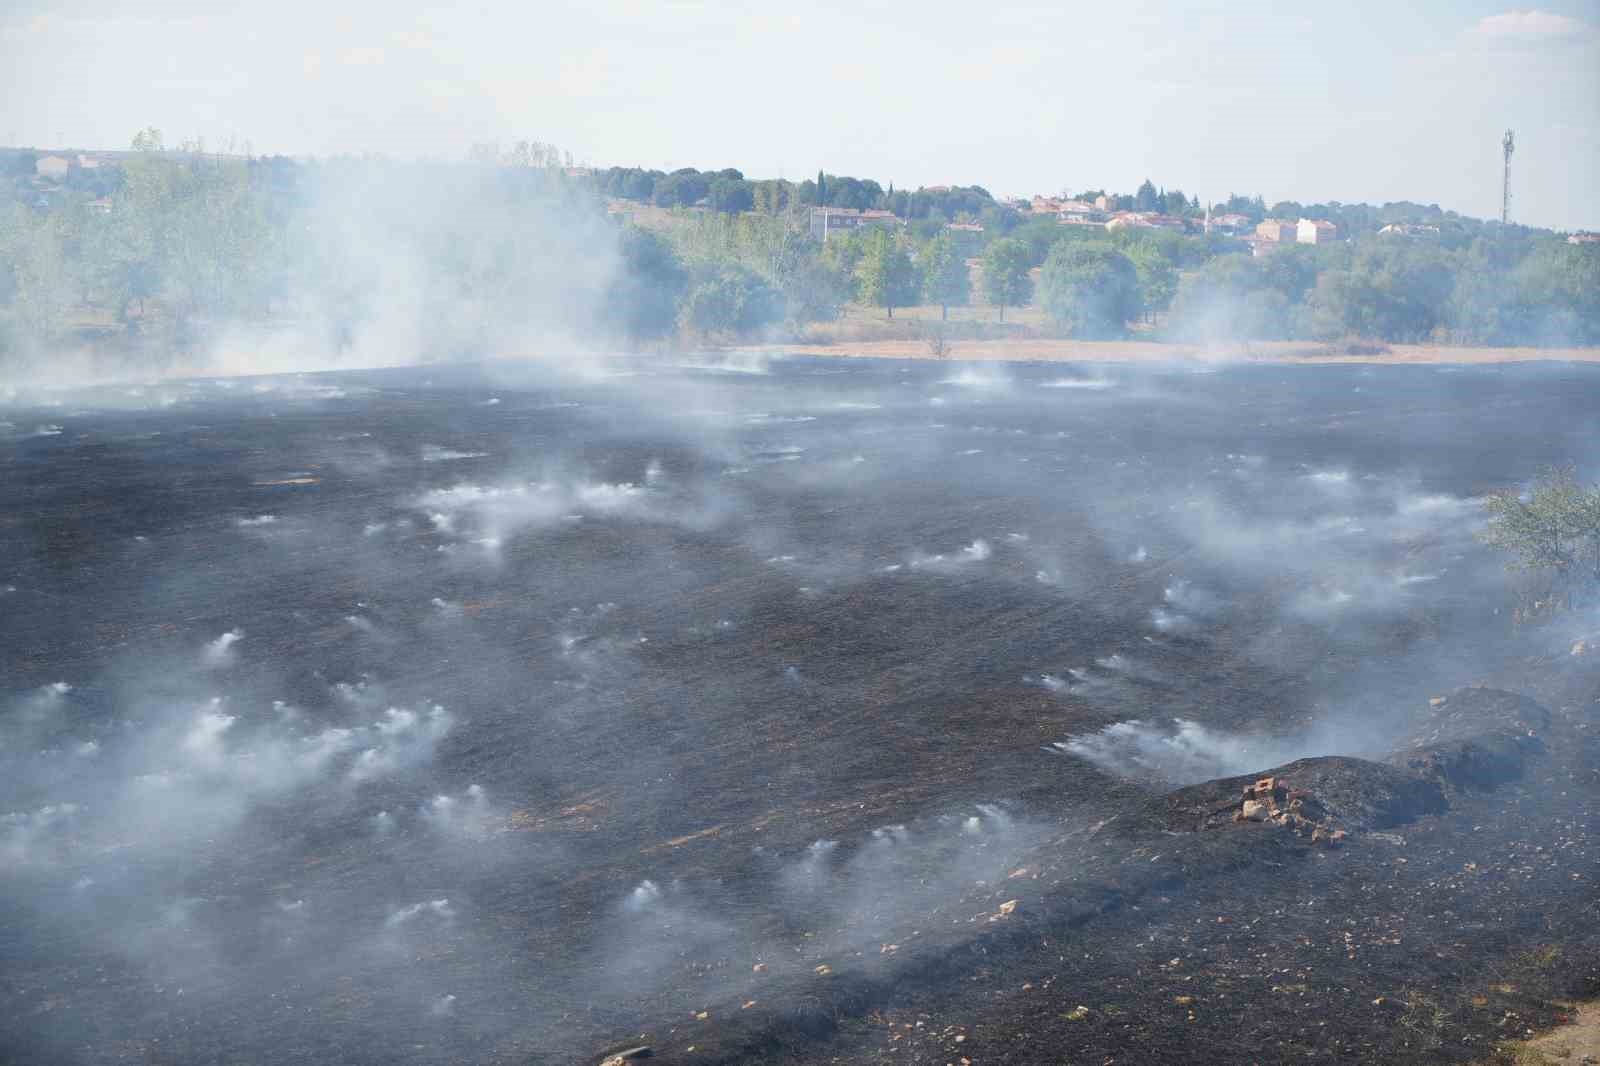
[976,552]
[432,453]
[494,513]
[467,816]
[33,836]
[1182,752]
[219,653]
[985,376]
[1093,384]
[438,910]
[402,738]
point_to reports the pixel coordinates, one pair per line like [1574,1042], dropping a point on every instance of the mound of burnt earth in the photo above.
[1334,794]
[1476,738]
[1331,909]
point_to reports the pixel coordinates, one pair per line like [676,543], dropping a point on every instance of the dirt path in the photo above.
[1577,1044]
[1034,350]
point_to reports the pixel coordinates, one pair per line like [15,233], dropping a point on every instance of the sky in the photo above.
[1351,101]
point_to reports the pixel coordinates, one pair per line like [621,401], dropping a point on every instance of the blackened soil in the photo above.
[777,688]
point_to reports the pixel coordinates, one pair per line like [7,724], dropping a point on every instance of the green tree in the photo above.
[772,197]
[148,140]
[731,195]
[945,279]
[841,256]
[1553,530]
[682,188]
[643,300]
[733,300]
[1391,290]
[41,283]
[1157,275]
[887,278]
[1558,285]
[1091,289]
[1005,274]
[216,247]
[1237,297]
[812,292]
[1040,235]
[1146,198]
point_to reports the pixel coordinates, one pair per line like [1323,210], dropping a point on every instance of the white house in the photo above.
[1316,231]
[54,167]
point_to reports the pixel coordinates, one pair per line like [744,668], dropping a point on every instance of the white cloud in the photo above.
[1531,26]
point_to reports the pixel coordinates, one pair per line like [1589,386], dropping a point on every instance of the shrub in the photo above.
[1553,531]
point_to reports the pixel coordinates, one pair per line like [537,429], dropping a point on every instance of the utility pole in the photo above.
[1510,145]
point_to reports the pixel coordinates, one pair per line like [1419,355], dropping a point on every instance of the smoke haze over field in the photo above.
[443,620]
[359,684]
[375,264]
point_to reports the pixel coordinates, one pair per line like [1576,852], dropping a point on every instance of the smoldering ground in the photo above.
[522,727]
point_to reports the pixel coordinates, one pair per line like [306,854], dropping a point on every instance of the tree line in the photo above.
[166,248]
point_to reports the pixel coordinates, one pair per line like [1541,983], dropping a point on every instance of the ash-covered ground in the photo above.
[804,710]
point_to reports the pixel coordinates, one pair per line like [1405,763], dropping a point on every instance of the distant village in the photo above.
[1262,237]
[1102,213]
[94,172]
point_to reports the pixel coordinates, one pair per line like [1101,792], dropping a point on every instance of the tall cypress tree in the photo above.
[822,190]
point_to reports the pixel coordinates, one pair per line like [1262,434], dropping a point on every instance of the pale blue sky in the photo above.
[1360,100]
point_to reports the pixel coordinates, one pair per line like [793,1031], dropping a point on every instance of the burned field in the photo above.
[804,711]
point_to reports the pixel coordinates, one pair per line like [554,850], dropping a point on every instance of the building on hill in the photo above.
[964,227]
[1277,229]
[1050,205]
[1409,229]
[826,220]
[1105,203]
[1145,220]
[54,167]
[1584,237]
[1262,246]
[1229,223]
[1316,231]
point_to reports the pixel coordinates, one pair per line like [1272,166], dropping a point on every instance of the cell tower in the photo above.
[1510,145]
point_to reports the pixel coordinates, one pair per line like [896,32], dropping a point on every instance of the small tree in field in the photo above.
[944,275]
[1553,531]
[887,278]
[1005,274]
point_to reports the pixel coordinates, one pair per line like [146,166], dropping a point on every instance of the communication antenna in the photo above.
[1510,145]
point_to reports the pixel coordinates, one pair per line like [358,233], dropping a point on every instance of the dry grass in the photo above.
[975,333]
[1567,1045]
